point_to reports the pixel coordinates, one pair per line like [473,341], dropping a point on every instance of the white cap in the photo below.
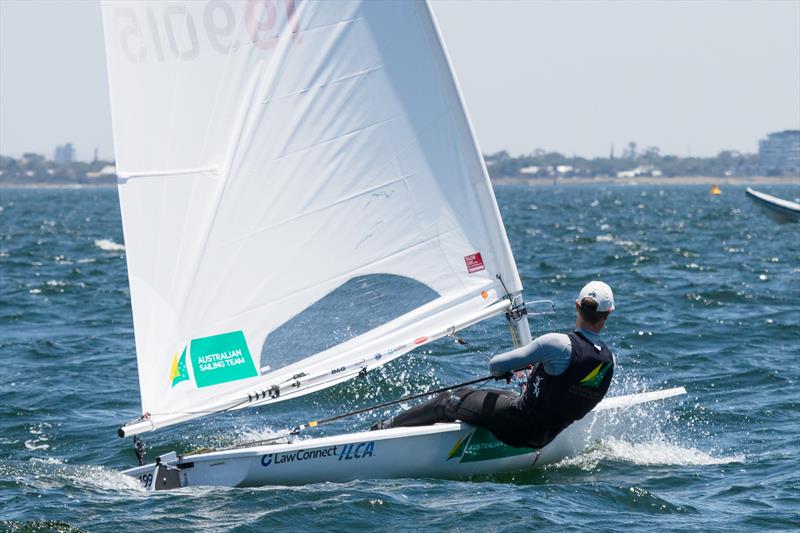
[600,293]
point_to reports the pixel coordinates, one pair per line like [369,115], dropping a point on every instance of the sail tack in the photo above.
[270,152]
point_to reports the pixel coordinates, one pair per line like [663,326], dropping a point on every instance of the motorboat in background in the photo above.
[777,208]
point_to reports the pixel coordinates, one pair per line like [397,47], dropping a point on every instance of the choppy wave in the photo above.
[107,245]
[709,309]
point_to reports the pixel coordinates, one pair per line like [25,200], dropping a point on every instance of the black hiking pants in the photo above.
[495,410]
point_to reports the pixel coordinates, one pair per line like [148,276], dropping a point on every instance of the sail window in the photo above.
[356,307]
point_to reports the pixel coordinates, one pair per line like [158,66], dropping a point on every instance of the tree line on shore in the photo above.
[632,163]
[35,169]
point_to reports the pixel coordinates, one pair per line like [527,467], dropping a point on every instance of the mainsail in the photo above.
[271,151]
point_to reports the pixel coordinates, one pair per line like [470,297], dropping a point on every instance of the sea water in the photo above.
[708,297]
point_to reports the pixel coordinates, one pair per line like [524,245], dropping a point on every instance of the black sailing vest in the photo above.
[551,403]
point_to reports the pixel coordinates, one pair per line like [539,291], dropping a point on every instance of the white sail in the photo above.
[270,152]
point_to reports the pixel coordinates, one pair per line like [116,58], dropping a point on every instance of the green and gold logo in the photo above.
[595,377]
[178,371]
[481,445]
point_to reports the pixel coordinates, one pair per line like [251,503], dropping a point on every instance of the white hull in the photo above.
[777,208]
[439,451]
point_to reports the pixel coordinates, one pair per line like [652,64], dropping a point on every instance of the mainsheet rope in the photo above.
[315,423]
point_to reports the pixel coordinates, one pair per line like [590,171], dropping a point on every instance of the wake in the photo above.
[651,453]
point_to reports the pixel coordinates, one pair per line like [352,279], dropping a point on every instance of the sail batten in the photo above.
[269,154]
[124,176]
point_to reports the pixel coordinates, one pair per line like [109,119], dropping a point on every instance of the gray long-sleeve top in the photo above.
[553,350]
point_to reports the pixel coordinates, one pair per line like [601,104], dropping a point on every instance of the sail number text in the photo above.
[162,31]
[146,479]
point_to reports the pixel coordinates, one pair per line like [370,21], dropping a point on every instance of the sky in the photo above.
[692,78]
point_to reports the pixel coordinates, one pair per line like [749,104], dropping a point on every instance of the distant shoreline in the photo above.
[648,180]
[58,186]
[536,182]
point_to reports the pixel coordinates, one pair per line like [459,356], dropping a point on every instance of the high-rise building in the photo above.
[779,153]
[64,154]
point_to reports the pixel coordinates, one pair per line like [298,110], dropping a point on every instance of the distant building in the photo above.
[65,154]
[779,153]
[643,170]
[564,169]
[106,171]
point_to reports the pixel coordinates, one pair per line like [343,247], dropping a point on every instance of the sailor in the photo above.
[570,375]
